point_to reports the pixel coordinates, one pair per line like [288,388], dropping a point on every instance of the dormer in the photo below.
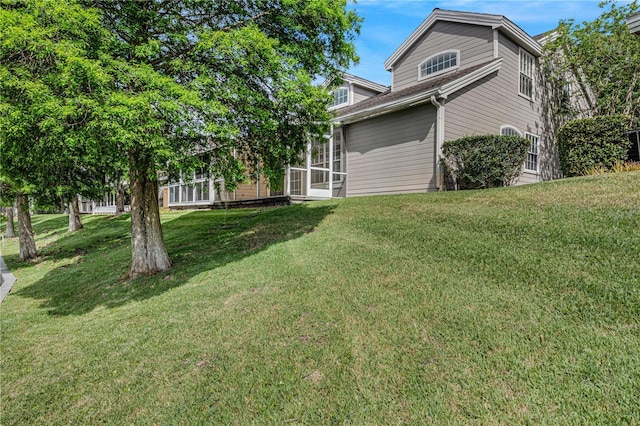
[353,90]
[450,41]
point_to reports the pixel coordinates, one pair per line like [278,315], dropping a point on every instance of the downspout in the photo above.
[439,139]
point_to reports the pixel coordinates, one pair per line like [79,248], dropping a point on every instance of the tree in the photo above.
[11,230]
[235,79]
[596,65]
[166,80]
[7,199]
[27,243]
[51,83]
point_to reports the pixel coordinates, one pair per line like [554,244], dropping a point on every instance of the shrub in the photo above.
[630,166]
[485,161]
[593,143]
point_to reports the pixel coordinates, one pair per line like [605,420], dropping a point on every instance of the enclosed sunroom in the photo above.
[321,174]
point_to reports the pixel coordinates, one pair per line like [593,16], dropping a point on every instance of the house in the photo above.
[633,22]
[457,74]
[322,175]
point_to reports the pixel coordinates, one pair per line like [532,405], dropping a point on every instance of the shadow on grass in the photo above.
[89,266]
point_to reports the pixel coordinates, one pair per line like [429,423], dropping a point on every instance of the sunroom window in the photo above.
[439,63]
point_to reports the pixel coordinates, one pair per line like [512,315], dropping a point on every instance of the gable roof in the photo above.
[483,19]
[441,87]
[359,81]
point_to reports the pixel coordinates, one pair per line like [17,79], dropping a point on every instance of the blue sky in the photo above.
[387,23]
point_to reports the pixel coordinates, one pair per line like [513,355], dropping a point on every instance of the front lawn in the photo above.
[508,306]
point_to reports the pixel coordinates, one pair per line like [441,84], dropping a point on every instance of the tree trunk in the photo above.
[11,230]
[75,222]
[119,197]
[27,242]
[148,252]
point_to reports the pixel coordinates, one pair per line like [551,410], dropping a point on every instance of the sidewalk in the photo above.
[6,279]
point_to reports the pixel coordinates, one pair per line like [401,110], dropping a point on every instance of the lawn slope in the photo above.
[509,306]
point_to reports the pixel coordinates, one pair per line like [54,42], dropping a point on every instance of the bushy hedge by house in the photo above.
[593,143]
[486,161]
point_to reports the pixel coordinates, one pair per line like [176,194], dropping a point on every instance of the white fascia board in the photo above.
[376,87]
[385,108]
[524,39]
[413,37]
[442,92]
[454,86]
[493,21]
[350,78]
[551,37]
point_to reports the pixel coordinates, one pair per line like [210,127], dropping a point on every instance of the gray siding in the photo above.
[394,153]
[633,22]
[488,104]
[360,94]
[474,42]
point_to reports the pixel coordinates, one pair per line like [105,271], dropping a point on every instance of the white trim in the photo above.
[537,154]
[330,159]
[359,81]
[527,55]
[443,91]
[342,104]
[445,70]
[498,22]
[440,123]
[392,78]
[454,86]
[508,126]
[496,43]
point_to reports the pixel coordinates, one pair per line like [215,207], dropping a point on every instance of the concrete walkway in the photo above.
[6,280]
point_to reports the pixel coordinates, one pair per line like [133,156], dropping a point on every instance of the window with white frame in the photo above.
[509,131]
[527,70]
[531,162]
[340,96]
[174,194]
[337,154]
[439,63]
[202,191]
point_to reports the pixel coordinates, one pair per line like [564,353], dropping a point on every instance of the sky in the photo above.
[387,23]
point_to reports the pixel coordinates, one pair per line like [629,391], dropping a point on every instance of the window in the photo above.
[187,193]
[174,194]
[565,98]
[509,131]
[202,191]
[337,154]
[439,63]
[531,162]
[340,96]
[527,68]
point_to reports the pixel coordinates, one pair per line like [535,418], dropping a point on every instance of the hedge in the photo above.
[485,161]
[593,143]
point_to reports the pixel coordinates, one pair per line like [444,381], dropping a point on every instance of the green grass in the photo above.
[510,306]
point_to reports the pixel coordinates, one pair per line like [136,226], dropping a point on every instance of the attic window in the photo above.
[340,96]
[439,63]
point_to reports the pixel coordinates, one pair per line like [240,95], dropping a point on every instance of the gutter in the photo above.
[441,92]
[439,138]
